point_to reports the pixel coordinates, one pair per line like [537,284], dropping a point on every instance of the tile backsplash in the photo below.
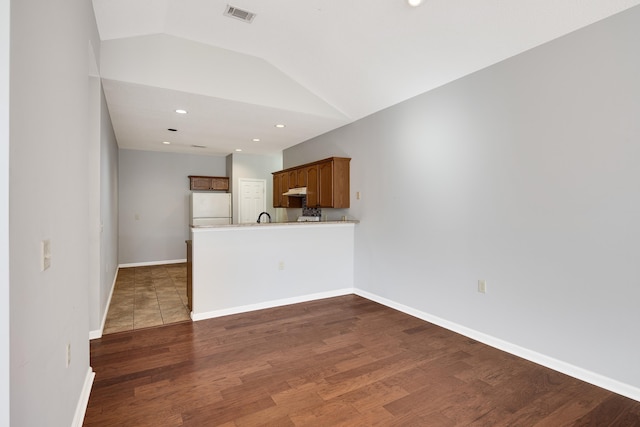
[310,211]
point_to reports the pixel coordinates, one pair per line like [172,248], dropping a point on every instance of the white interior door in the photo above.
[252,199]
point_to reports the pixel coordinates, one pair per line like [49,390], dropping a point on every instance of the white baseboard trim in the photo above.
[147,263]
[98,334]
[535,357]
[83,401]
[270,304]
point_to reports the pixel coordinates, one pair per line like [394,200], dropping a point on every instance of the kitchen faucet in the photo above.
[264,213]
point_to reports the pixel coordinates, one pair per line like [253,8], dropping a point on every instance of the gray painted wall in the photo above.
[255,167]
[4,212]
[155,187]
[108,226]
[524,174]
[48,199]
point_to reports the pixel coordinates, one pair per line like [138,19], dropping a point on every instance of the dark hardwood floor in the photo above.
[342,361]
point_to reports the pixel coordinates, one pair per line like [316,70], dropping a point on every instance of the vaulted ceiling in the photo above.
[312,65]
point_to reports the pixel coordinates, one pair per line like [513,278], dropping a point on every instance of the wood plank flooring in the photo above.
[342,361]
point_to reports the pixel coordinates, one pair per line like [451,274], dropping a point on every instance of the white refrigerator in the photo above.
[210,208]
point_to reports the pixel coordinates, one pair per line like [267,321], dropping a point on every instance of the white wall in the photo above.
[524,174]
[108,207]
[4,212]
[103,209]
[251,267]
[49,199]
[154,187]
[254,167]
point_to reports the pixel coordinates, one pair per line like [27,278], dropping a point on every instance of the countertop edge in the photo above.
[273,224]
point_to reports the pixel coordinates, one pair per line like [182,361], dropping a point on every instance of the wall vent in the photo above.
[198,146]
[240,14]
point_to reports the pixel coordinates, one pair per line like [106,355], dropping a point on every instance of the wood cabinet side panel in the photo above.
[311,173]
[325,179]
[341,184]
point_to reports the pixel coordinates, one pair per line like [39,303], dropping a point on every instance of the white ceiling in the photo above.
[313,65]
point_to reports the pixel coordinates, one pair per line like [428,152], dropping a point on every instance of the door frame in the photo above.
[242,181]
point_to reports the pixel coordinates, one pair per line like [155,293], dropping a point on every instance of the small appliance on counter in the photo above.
[210,209]
[308,218]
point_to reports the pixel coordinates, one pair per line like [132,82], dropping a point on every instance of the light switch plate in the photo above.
[482,286]
[45,254]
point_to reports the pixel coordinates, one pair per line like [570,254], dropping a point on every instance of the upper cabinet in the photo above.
[281,185]
[327,183]
[293,179]
[333,183]
[312,183]
[209,183]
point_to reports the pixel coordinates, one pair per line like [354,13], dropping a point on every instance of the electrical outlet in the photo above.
[357,195]
[68,354]
[45,254]
[281,265]
[482,286]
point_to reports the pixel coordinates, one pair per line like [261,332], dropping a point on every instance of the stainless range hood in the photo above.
[296,192]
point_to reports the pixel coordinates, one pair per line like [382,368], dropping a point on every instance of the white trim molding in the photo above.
[83,401]
[557,365]
[270,304]
[98,334]
[148,263]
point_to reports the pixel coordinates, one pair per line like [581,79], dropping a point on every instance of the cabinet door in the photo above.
[189,275]
[302,177]
[284,186]
[277,192]
[341,188]
[220,184]
[200,183]
[325,181]
[292,176]
[311,173]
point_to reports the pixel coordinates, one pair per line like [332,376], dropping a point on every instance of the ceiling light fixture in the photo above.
[243,15]
[256,139]
[280,126]
[238,149]
[166,142]
[414,3]
[181,111]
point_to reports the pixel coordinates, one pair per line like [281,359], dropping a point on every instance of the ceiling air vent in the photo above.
[240,14]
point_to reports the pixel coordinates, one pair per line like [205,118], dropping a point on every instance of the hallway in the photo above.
[148,296]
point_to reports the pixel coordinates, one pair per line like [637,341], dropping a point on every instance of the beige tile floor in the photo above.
[148,296]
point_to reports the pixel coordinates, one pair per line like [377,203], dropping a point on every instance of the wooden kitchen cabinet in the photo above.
[327,183]
[293,179]
[280,186]
[333,179]
[189,275]
[302,177]
[277,193]
[208,183]
[311,173]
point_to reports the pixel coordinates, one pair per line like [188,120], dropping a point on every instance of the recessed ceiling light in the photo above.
[166,142]
[172,130]
[238,149]
[280,126]
[256,139]
[181,111]
[414,3]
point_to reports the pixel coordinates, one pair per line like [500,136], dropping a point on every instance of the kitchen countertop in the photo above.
[275,224]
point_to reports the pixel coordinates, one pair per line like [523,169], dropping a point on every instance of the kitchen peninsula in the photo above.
[245,267]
